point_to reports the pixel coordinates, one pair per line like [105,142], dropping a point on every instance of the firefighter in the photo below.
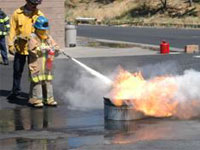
[42,49]
[4,29]
[21,26]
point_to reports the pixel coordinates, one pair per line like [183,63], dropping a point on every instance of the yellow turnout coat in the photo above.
[21,26]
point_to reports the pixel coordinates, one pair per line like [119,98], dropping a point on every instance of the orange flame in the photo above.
[153,97]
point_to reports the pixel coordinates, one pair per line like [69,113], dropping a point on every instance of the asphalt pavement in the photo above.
[77,123]
[177,37]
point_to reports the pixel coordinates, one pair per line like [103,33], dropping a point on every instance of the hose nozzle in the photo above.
[66,55]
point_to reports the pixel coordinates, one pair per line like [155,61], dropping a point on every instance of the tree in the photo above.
[164,4]
[190,2]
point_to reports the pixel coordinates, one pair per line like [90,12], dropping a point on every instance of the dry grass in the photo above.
[99,11]
[146,11]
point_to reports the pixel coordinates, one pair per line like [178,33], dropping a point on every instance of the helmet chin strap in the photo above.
[42,36]
[27,11]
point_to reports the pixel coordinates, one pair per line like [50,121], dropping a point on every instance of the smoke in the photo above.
[188,95]
[77,88]
[158,69]
[81,90]
[88,92]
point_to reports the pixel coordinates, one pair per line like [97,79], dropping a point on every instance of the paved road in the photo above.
[177,38]
[78,122]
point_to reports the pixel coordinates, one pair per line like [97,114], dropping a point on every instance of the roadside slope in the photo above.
[135,11]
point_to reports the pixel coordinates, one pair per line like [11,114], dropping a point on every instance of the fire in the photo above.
[153,97]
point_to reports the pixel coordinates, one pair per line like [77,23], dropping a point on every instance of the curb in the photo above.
[104,42]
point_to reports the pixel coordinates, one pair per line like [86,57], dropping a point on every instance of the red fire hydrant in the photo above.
[164,47]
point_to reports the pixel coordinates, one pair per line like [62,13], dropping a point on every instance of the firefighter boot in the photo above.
[50,102]
[35,102]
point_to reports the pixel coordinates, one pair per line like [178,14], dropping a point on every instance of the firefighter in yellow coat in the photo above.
[42,49]
[21,26]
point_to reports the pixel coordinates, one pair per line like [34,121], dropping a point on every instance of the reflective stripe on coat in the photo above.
[4,24]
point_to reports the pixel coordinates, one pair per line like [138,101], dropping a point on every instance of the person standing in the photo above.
[21,26]
[4,29]
[42,49]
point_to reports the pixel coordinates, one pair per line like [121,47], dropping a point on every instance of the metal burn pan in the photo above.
[123,112]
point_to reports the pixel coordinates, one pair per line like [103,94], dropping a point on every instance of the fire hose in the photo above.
[90,70]
[66,55]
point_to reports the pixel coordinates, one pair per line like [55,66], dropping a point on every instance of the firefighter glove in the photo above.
[39,52]
[11,49]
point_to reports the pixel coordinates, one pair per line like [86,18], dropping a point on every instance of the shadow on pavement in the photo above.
[18,101]
[4,93]
[22,99]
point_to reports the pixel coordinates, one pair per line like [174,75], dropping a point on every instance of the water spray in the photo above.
[90,70]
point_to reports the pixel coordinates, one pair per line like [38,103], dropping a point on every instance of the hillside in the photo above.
[138,12]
